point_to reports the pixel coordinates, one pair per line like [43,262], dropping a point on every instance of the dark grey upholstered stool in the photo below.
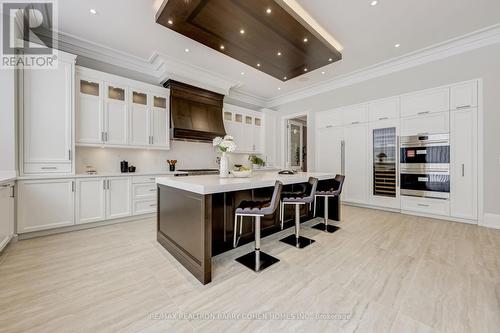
[297,199]
[334,191]
[256,260]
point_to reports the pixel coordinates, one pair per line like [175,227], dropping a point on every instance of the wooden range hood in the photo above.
[196,114]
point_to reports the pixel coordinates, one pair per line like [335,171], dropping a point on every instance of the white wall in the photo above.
[481,63]
[190,155]
[7,122]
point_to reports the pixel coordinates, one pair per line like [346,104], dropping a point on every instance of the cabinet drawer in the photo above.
[384,109]
[144,179]
[425,102]
[426,205]
[355,115]
[145,207]
[143,191]
[433,123]
[47,168]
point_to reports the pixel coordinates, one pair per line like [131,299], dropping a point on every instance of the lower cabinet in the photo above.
[7,211]
[102,199]
[45,204]
[425,205]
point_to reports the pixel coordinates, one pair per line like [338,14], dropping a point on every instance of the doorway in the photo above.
[296,147]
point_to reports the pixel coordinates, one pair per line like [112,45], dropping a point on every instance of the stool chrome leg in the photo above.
[325,226]
[296,240]
[257,260]
[235,242]
[315,204]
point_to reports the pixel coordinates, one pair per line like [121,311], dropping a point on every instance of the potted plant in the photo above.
[257,162]
[224,145]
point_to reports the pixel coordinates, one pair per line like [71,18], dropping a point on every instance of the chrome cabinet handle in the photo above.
[354,122]
[383,118]
[102,136]
[424,112]
[422,205]
[13,193]
[329,126]
[152,190]
[49,168]
[154,205]
[463,106]
[463,170]
[73,186]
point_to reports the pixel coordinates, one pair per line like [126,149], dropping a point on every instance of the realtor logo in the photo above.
[28,35]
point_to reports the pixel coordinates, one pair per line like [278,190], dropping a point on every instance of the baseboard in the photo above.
[491,221]
[77,227]
[387,209]
[6,241]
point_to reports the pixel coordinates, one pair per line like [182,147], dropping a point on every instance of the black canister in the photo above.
[124,166]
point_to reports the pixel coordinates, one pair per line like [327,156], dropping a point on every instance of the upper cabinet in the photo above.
[384,109]
[464,95]
[114,111]
[246,127]
[47,117]
[329,118]
[425,102]
[356,114]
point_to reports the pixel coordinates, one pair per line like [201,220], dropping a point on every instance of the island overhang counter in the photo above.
[196,213]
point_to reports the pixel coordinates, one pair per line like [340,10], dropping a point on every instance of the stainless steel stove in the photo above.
[197,172]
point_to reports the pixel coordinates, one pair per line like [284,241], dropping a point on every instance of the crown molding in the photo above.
[465,43]
[159,67]
[247,98]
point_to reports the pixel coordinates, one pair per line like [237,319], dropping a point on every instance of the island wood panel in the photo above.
[217,23]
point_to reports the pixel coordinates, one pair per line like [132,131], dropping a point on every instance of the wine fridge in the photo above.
[385,162]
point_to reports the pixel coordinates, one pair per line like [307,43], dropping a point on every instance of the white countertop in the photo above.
[7,177]
[104,175]
[214,184]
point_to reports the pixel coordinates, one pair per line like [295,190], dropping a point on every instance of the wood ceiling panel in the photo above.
[219,22]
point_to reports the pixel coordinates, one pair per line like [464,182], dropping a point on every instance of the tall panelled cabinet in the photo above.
[47,114]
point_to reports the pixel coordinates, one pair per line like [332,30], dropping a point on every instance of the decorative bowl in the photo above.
[242,174]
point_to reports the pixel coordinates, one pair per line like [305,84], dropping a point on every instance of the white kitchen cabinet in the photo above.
[145,207]
[47,117]
[425,102]
[139,118]
[7,213]
[115,114]
[45,204]
[246,128]
[425,205]
[329,147]
[329,118]
[118,200]
[464,95]
[384,109]
[356,163]
[356,114]
[160,122]
[463,177]
[426,124]
[90,111]
[91,200]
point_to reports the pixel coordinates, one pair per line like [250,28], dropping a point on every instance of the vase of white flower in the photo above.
[224,145]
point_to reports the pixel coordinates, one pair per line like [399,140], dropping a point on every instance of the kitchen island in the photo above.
[196,213]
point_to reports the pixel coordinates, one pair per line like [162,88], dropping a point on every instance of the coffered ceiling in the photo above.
[369,35]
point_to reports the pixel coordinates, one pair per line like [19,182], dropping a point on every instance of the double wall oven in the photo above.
[425,166]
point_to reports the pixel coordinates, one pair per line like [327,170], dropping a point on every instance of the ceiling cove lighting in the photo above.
[374,3]
[93,11]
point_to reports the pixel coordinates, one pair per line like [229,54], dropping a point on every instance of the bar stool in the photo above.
[334,191]
[256,260]
[297,199]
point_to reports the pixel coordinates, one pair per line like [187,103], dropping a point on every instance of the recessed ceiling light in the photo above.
[242,73]
[305,69]
[279,88]
[279,53]
[285,78]
[170,22]
[374,3]
[186,50]
[397,45]
[306,40]
[242,31]
[222,47]
[323,73]
[258,65]
[93,11]
[330,60]
[268,10]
